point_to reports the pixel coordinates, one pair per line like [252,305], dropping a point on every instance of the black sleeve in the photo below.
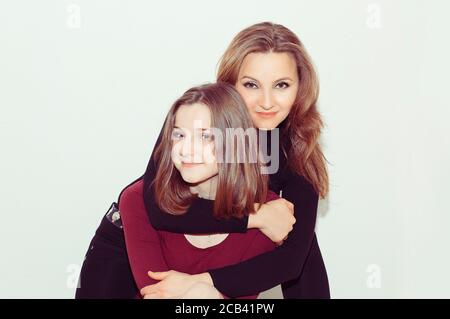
[285,262]
[198,219]
[106,272]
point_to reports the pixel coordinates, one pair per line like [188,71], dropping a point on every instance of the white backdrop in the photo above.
[85,85]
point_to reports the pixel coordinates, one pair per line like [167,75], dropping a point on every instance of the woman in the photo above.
[272,71]
[186,173]
[196,133]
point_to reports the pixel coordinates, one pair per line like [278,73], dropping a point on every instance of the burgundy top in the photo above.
[297,264]
[149,249]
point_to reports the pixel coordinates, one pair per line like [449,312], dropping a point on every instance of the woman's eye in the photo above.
[282,85]
[250,85]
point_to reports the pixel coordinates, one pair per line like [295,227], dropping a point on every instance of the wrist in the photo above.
[253,221]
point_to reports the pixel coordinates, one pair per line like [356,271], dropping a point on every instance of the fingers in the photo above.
[153,295]
[279,243]
[147,290]
[289,205]
[158,275]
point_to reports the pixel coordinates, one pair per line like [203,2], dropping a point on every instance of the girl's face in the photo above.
[268,83]
[193,145]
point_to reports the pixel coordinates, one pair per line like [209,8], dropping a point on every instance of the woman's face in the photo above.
[192,144]
[268,83]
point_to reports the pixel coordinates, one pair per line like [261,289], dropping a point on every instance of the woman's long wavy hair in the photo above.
[240,184]
[300,132]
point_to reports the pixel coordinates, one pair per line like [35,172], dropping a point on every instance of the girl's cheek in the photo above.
[208,154]
[176,153]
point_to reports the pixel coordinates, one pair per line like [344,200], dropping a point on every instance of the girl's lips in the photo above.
[189,165]
[266,114]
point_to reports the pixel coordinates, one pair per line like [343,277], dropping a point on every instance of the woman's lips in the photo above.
[266,114]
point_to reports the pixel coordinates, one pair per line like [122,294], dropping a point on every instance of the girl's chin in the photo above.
[192,179]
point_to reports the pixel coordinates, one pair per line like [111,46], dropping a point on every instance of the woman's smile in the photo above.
[266,114]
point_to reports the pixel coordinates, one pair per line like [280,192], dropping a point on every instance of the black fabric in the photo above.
[297,264]
[106,272]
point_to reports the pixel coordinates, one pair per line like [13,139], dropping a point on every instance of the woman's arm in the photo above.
[273,219]
[283,263]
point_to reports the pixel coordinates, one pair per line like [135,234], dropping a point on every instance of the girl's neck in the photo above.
[206,189]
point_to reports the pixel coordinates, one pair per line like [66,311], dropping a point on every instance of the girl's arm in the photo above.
[285,262]
[265,267]
[142,240]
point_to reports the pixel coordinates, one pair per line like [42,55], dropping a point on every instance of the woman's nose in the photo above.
[266,99]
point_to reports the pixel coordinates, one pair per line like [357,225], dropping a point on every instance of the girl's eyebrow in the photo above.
[281,79]
[203,129]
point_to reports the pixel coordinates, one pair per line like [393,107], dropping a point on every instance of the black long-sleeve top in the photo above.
[297,264]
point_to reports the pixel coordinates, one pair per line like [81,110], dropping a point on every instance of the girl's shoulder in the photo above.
[136,188]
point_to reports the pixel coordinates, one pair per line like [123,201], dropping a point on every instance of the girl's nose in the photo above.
[191,150]
[186,148]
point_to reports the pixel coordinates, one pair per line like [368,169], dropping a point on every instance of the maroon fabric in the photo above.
[153,250]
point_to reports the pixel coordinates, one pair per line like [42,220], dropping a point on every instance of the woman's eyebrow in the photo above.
[249,77]
[281,79]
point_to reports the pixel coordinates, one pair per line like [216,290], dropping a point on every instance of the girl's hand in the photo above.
[173,284]
[274,218]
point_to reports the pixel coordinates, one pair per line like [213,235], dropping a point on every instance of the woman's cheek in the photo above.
[250,98]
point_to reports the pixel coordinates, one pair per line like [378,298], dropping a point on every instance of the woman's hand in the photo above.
[201,290]
[274,219]
[173,284]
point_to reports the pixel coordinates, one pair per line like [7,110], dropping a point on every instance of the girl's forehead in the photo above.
[193,116]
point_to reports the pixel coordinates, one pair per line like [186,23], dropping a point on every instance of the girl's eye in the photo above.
[206,136]
[177,135]
[250,85]
[283,85]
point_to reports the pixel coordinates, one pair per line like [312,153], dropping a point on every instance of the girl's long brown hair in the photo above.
[301,130]
[240,185]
